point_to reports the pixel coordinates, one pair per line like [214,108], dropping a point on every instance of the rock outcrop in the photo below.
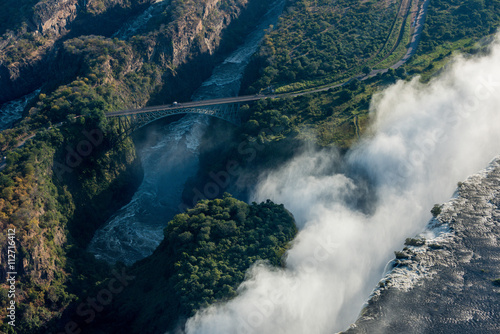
[53,17]
[202,32]
[23,60]
[444,280]
[191,28]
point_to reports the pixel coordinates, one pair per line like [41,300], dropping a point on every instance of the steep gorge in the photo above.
[33,54]
[86,75]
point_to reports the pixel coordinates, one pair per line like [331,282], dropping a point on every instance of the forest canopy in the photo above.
[203,259]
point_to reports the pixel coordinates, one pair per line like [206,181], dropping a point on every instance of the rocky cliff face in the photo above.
[443,281]
[202,28]
[24,53]
[85,74]
[190,28]
[53,17]
[39,264]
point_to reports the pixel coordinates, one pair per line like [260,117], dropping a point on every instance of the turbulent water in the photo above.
[444,283]
[13,110]
[169,158]
[424,138]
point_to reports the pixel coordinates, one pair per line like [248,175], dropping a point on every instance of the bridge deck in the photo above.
[194,104]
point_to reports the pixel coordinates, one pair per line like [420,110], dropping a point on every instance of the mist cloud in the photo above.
[424,138]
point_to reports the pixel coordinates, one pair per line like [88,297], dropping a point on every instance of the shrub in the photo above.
[436,210]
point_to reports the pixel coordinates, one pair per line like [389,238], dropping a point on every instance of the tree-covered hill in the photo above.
[452,20]
[83,72]
[56,198]
[202,260]
[325,43]
[321,39]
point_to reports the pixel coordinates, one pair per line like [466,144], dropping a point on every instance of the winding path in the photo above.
[415,38]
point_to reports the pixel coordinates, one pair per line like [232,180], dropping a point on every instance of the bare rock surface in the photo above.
[442,281]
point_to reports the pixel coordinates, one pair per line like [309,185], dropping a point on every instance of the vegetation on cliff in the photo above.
[319,43]
[68,168]
[15,13]
[321,40]
[202,260]
[453,26]
[55,200]
[40,207]
[453,20]
[337,116]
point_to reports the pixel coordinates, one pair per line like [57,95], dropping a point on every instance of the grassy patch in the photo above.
[427,64]
[400,50]
[338,116]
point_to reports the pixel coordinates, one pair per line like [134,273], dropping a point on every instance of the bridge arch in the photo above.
[131,121]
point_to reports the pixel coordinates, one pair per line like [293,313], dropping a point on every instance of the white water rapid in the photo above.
[168,160]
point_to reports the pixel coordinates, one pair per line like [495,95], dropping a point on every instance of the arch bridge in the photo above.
[227,109]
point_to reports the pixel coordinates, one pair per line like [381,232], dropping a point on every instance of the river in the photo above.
[13,110]
[169,157]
